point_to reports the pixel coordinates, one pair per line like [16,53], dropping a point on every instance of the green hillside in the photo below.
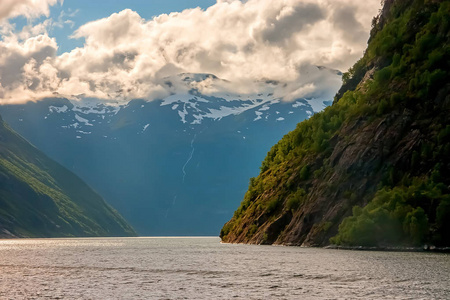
[40,198]
[373,169]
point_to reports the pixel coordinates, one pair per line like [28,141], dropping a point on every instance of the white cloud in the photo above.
[27,8]
[245,43]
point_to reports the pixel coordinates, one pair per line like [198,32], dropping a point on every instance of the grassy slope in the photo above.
[383,145]
[40,198]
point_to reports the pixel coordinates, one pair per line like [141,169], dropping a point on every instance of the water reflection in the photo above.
[202,268]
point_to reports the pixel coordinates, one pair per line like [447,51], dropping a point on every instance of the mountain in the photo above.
[373,169]
[174,166]
[40,198]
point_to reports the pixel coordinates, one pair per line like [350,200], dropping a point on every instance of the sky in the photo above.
[79,12]
[122,50]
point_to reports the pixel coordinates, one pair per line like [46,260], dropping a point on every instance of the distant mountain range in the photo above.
[173,166]
[40,198]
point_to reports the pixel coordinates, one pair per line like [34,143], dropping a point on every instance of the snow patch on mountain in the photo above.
[83,132]
[317,104]
[264,108]
[96,106]
[223,111]
[74,125]
[258,115]
[89,110]
[183,114]
[198,120]
[299,104]
[83,120]
[58,109]
[197,97]
[182,98]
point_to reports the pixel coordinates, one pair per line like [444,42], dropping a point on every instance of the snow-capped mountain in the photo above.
[174,166]
[189,104]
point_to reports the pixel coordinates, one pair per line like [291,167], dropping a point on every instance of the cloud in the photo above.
[345,21]
[27,8]
[281,26]
[245,43]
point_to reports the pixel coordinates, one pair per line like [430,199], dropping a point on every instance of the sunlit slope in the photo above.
[374,168]
[40,198]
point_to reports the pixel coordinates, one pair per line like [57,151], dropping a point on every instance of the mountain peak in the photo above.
[197,77]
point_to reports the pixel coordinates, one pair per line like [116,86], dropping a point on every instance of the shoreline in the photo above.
[425,248]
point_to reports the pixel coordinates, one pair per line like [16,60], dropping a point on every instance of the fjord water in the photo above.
[202,268]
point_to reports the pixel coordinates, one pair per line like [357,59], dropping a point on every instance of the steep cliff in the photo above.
[40,198]
[374,168]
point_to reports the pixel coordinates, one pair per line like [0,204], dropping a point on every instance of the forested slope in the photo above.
[373,169]
[40,198]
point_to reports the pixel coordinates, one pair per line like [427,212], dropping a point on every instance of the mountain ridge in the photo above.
[40,198]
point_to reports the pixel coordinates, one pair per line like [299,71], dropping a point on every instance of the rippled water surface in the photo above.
[202,268]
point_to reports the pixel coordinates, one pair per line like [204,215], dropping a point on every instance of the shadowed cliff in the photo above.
[40,198]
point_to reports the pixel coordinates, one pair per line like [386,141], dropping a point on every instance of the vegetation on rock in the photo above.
[373,168]
[40,198]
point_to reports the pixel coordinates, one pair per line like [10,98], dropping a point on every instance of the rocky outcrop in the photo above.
[378,134]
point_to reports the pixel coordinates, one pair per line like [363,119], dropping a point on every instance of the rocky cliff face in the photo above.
[372,169]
